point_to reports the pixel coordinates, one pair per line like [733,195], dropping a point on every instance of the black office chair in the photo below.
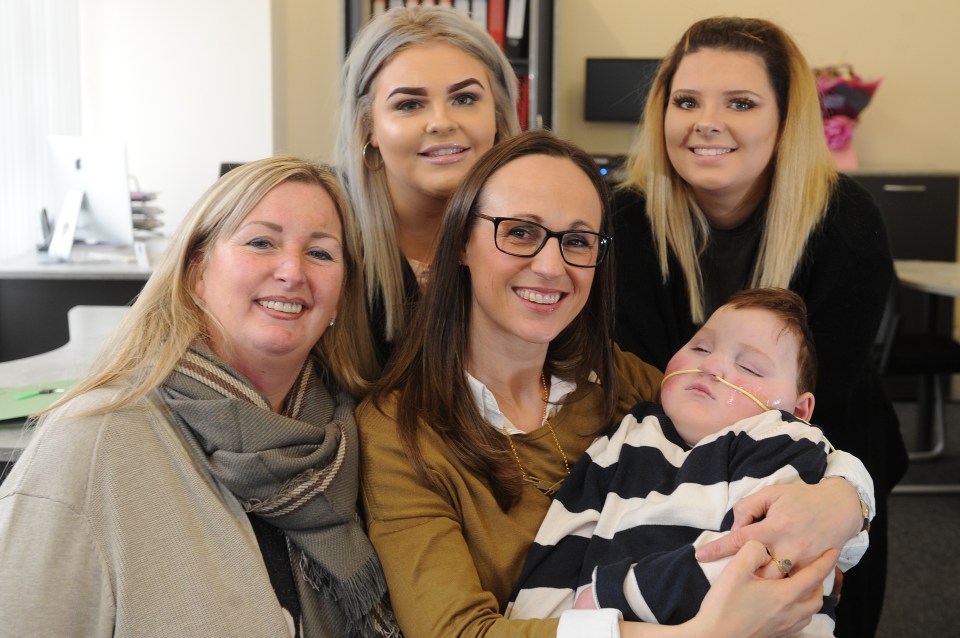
[932,357]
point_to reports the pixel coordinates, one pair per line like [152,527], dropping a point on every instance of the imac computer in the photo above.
[96,168]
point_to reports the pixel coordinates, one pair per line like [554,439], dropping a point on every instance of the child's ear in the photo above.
[803,409]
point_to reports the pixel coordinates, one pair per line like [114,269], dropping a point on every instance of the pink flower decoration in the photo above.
[839,131]
[842,92]
[843,96]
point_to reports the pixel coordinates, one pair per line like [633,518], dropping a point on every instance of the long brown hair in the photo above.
[428,373]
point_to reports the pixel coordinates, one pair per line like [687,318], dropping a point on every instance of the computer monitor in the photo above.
[616,88]
[98,167]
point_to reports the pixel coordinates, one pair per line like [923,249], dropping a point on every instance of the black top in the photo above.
[377,315]
[276,558]
[726,266]
[843,277]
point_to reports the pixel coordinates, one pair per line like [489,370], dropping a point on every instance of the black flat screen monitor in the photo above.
[616,88]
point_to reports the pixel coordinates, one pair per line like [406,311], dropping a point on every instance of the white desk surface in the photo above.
[89,328]
[86,262]
[936,277]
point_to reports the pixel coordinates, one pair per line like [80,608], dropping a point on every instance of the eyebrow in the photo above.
[419,90]
[576,225]
[317,234]
[724,93]
[456,86]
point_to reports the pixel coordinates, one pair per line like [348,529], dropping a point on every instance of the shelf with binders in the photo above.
[523,28]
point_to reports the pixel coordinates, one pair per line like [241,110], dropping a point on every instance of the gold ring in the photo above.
[784,565]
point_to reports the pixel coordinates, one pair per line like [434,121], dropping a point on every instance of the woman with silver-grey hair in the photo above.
[425,93]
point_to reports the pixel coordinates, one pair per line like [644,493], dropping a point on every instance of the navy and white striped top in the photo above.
[640,501]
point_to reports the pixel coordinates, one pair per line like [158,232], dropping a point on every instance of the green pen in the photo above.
[39,392]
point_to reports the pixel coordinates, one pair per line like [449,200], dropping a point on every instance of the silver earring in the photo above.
[333,321]
[377,165]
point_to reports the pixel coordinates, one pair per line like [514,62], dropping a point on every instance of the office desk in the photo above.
[937,279]
[89,327]
[35,296]
[940,278]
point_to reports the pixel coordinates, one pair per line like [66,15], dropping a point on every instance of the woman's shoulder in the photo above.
[74,441]
[631,226]
[848,191]
[623,197]
[851,202]
[854,218]
[378,426]
[83,416]
[637,380]
[376,411]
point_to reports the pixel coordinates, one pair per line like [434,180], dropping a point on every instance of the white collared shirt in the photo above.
[574,623]
[490,409]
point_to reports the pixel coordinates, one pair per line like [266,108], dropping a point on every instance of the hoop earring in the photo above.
[377,166]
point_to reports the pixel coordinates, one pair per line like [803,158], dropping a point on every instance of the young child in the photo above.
[624,527]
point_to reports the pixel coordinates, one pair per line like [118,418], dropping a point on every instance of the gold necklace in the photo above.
[549,489]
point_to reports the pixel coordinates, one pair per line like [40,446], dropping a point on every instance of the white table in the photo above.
[89,328]
[934,277]
[938,279]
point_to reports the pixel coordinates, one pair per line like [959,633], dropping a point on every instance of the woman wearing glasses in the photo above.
[506,377]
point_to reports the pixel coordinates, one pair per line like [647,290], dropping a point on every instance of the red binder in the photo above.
[497,20]
[523,102]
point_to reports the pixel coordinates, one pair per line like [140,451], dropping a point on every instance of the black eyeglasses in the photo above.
[524,238]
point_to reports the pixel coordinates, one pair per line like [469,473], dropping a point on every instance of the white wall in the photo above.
[307,56]
[187,83]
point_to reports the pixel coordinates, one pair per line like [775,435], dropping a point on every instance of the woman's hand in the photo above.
[743,604]
[799,522]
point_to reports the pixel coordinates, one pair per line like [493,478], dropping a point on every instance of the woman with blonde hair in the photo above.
[730,185]
[203,479]
[425,93]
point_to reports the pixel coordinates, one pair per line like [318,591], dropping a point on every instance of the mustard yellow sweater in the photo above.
[451,558]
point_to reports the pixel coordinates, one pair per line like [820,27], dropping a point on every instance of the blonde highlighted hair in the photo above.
[168,316]
[802,173]
[375,46]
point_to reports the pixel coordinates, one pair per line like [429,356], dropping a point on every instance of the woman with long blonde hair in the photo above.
[203,480]
[730,185]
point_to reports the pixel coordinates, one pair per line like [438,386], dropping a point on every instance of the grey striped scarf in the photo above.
[297,471]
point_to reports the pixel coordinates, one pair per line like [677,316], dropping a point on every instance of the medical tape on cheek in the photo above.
[742,391]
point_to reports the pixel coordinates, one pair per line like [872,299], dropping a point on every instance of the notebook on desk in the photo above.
[17,403]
